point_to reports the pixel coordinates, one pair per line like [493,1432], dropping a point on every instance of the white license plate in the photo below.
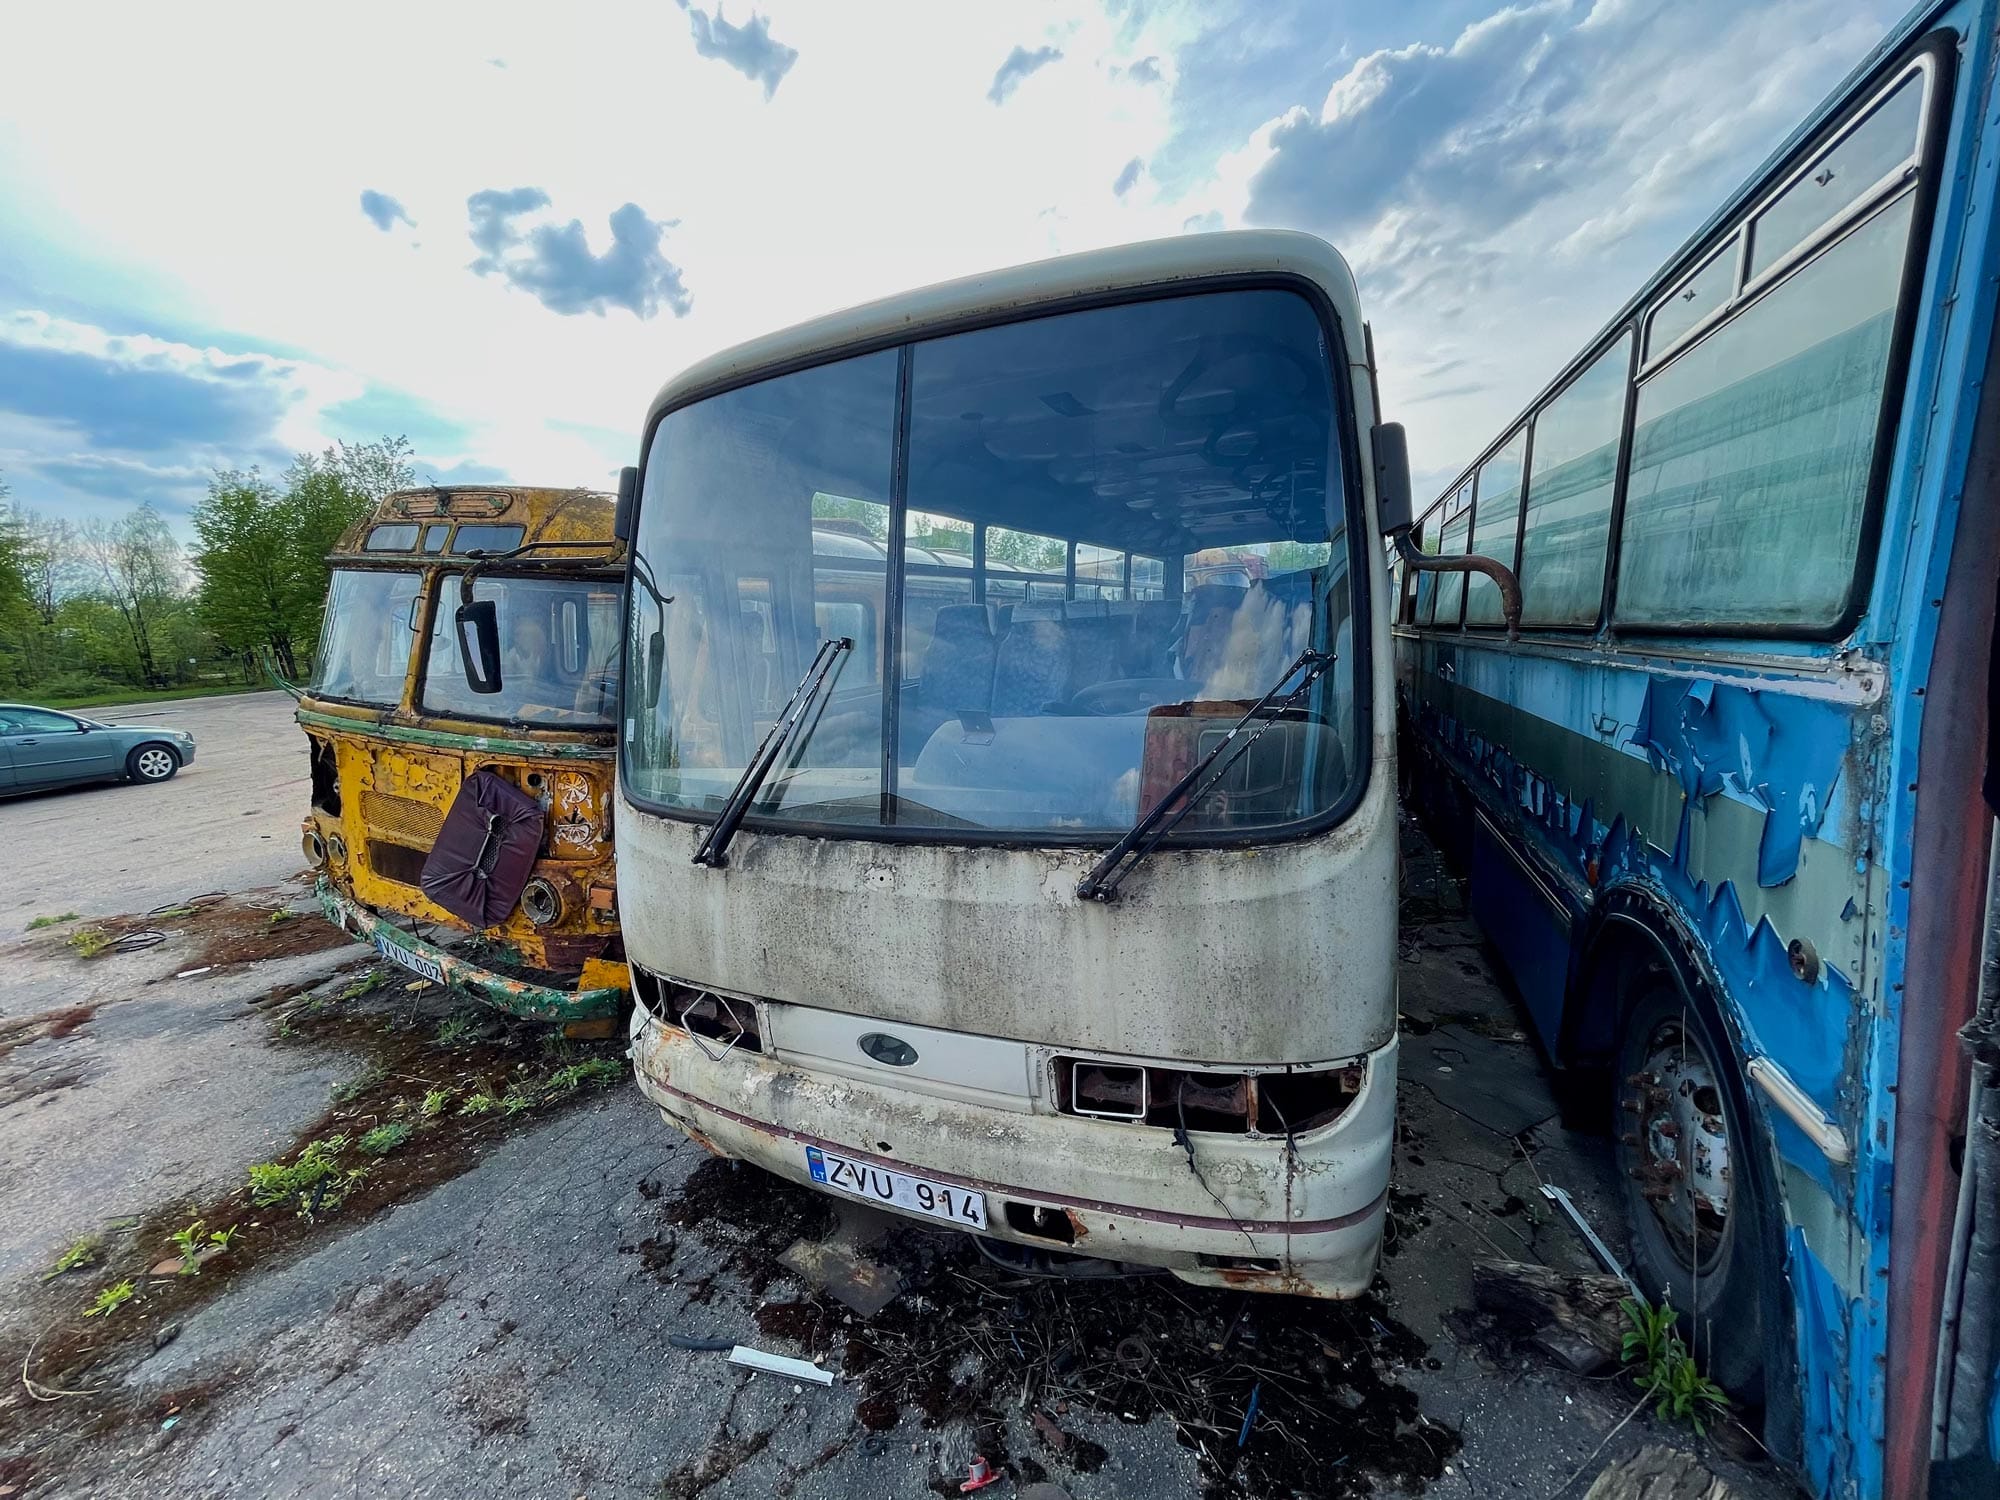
[880,1185]
[416,963]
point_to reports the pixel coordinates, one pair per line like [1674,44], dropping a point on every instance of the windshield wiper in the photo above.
[714,850]
[1159,820]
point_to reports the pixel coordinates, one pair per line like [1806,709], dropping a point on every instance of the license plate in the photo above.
[880,1185]
[416,963]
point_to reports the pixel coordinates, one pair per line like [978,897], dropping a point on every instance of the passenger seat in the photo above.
[1032,666]
[957,673]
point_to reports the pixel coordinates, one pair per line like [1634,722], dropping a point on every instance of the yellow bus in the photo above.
[470,655]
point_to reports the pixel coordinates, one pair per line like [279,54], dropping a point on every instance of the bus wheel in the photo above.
[1690,1188]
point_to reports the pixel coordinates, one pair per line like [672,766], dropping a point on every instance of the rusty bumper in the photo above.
[535,1002]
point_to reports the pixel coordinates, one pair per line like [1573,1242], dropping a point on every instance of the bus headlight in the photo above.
[542,902]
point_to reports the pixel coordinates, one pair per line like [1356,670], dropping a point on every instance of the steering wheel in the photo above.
[1130,695]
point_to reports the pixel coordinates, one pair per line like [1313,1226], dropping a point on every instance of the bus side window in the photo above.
[1572,476]
[1497,518]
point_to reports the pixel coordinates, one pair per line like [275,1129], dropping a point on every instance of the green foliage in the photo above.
[457,1031]
[196,1239]
[479,1103]
[40,922]
[263,546]
[88,942]
[82,1251]
[1665,1370]
[110,1300]
[314,1182]
[384,1138]
[599,1070]
[435,1101]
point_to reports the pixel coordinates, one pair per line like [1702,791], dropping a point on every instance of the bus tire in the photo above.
[1683,1138]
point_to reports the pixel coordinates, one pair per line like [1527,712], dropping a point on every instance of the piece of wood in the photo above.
[1572,1317]
[1657,1472]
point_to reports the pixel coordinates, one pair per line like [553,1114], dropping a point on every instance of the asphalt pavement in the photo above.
[502,1325]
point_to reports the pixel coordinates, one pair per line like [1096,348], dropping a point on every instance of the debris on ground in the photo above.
[779,1364]
[1573,1318]
[1657,1472]
[973,1346]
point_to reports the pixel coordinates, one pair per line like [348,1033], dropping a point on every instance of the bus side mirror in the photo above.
[478,625]
[1392,478]
[628,501]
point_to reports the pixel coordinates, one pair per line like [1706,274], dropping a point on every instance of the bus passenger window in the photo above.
[1574,472]
[1751,451]
[1496,518]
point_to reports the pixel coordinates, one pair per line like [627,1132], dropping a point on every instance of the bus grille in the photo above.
[403,819]
[394,862]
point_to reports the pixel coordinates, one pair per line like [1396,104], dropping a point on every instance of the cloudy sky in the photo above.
[498,228]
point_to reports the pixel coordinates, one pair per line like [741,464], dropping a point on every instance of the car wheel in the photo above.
[152,763]
[1684,1148]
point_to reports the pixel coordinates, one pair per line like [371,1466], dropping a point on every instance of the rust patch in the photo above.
[1078,1230]
[50,1026]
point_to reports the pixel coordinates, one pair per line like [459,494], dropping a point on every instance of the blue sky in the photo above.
[499,231]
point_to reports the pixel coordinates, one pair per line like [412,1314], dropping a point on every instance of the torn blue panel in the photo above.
[1822,1345]
[1779,752]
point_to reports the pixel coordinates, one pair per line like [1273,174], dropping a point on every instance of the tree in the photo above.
[263,547]
[138,565]
[16,598]
[249,594]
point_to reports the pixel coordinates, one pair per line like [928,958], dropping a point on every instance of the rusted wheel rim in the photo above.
[1681,1144]
[153,764]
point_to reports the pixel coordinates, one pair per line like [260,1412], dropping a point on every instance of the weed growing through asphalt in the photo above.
[315,1182]
[40,922]
[384,1138]
[568,1079]
[457,1031]
[282,914]
[196,1239]
[435,1101]
[82,1251]
[88,942]
[363,985]
[1665,1370]
[110,1300]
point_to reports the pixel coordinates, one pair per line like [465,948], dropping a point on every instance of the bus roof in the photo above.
[541,513]
[969,300]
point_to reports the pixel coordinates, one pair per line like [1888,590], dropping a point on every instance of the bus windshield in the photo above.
[558,652]
[365,643]
[1117,528]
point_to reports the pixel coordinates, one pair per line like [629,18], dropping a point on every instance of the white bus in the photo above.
[1006,802]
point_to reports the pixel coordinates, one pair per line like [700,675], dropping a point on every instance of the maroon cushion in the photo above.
[484,851]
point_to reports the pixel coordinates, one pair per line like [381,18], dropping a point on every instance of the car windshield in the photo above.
[1119,526]
[364,646]
[559,640]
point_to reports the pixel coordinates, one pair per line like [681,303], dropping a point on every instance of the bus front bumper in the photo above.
[517,997]
[1307,1221]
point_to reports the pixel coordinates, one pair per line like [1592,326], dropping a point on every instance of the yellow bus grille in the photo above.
[401,818]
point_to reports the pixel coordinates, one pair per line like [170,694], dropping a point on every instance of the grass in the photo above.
[567,1080]
[40,922]
[88,942]
[458,1031]
[1665,1370]
[480,1103]
[122,696]
[384,1138]
[83,1251]
[110,1300]
[314,1182]
[435,1101]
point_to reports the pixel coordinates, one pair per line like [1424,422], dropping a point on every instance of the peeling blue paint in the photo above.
[1781,753]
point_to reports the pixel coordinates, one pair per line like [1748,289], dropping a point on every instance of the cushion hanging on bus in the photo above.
[484,851]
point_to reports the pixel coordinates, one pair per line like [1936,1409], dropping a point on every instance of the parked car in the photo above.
[42,748]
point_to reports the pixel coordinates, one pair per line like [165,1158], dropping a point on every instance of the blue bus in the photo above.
[1695,676]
